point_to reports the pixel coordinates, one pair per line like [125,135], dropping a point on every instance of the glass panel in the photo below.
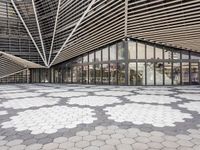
[195,56]
[185,73]
[176,74]
[176,55]
[141,51]
[150,52]
[185,55]
[159,53]
[150,73]
[194,74]
[74,74]
[113,73]
[85,58]
[132,74]
[98,74]
[98,56]
[91,57]
[91,74]
[105,74]
[105,54]
[113,52]
[141,74]
[167,54]
[168,73]
[121,74]
[85,74]
[159,73]
[132,50]
[78,74]
[121,51]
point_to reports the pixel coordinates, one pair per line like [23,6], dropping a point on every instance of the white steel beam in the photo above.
[19,15]
[75,28]
[39,30]
[54,31]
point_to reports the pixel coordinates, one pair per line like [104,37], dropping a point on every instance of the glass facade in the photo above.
[131,62]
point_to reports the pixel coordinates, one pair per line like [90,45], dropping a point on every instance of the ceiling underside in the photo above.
[63,29]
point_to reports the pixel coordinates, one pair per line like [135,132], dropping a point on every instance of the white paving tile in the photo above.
[193,106]
[67,94]
[193,96]
[94,100]
[159,116]
[19,95]
[45,120]
[153,99]
[113,93]
[29,102]
[155,92]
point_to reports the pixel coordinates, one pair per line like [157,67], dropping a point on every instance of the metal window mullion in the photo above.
[39,30]
[19,15]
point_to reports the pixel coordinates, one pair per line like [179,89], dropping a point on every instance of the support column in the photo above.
[126,60]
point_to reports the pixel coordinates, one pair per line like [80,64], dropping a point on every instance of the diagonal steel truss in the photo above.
[48,63]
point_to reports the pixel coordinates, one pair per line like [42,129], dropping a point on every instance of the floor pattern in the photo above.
[89,117]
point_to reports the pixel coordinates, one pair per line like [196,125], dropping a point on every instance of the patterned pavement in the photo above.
[88,117]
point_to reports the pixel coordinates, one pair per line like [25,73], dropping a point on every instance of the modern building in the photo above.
[111,42]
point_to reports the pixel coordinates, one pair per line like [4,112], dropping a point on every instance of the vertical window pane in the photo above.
[132,50]
[98,56]
[91,74]
[185,73]
[141,51]
[150,73]
[176,74]
[194,74]
[91,57]
[132,74]
[105,74]
[168,73]
[74,74]
[185,55]
[85,74]
[159,73]
[159,53]
[98,74]
[121,74]
[176,55]
[167,54]
[85,58]
[121,51]
[141,74]
[79,74]
[105,54]
[195,56]
[113,73]
[113,52]
[150,52]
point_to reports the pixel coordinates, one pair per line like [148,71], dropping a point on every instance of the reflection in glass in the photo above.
[185,54]
[176,55]
[159,73]
[77,74]
[194,74]
[113,52]
[141,51]
[131,49]
[74,74]
[150,52]
[121,51]
[150,73]
[159,53]
[132,74]
[121,74]
[98,73]
[91,57]
[105,54]
[85,58]
[67,74]
[167,54]
[98,56]
[91,74]
[168,73]
[176,74]
[85,74]
[141,73]
[113,73]
[105,74]
[185,73]
[195,56]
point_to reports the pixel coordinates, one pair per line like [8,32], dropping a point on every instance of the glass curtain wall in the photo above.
[132,62]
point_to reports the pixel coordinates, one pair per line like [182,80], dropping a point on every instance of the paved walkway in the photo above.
[74,117]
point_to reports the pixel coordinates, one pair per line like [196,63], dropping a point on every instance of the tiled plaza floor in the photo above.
[74,117]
